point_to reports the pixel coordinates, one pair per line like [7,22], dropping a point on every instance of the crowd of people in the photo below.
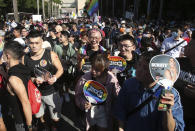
[74,51]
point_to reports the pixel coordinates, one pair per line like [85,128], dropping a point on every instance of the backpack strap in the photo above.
[147,101]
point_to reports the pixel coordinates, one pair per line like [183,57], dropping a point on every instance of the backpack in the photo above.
[34,96]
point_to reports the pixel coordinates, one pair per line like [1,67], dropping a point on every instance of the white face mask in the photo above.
[128,30]
[146,35]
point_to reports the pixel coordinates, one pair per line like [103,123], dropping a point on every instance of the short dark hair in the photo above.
[18,29]
[126,37]
[148,30]
[65,33]
[8,36]
[147,56]
[52,30]
[84,33]
[15,49]
[34,34]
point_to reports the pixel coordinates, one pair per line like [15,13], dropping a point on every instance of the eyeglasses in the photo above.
[57,32]
[125,46]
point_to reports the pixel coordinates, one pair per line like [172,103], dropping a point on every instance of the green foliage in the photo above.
[2,3]
[29,3]
[57,1]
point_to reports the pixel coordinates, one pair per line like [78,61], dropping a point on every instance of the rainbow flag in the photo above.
[93,7]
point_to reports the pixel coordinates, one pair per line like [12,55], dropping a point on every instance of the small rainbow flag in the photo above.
[93,7]
[1,47]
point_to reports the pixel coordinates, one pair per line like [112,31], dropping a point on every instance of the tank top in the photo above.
[46,63]
[23,73]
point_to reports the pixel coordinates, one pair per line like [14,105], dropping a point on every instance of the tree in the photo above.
[15,6]
[43,9]
[38,7]
[2,3]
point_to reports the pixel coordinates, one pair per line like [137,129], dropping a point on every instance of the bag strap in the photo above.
[147,101]
[174,46]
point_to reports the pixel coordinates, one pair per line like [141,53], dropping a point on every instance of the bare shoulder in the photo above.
[15,81]
[53,54]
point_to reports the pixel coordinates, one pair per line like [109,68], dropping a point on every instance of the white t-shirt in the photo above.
[20,40]
[169,43]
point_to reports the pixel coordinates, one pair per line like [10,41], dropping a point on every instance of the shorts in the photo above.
[98,116]
[20,127]
[54,104]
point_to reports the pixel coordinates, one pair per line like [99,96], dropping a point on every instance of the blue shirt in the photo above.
[148,118]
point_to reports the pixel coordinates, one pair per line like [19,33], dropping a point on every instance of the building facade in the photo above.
[72,7]
[150,8]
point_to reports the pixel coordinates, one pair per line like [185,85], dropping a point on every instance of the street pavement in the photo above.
[70,116]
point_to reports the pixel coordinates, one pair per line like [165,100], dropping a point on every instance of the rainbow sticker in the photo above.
[43,63]
[82,50]
[95,92]
[1,47]
[117,63]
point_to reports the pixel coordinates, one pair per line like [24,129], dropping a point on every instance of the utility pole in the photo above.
[15,6]
[49,8]
[52,9]
[38,7]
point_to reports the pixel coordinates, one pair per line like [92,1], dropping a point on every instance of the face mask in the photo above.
[146,35]
[128,30]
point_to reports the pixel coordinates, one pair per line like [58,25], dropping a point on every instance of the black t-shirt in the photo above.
[92,53]
[129,71]
[46,63]
[65,49]
[186,77]
[23,73]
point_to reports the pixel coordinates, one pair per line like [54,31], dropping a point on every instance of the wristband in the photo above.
[29,126]
[55,79]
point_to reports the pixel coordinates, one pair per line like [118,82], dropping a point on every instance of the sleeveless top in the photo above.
[46,63]
[23,73]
